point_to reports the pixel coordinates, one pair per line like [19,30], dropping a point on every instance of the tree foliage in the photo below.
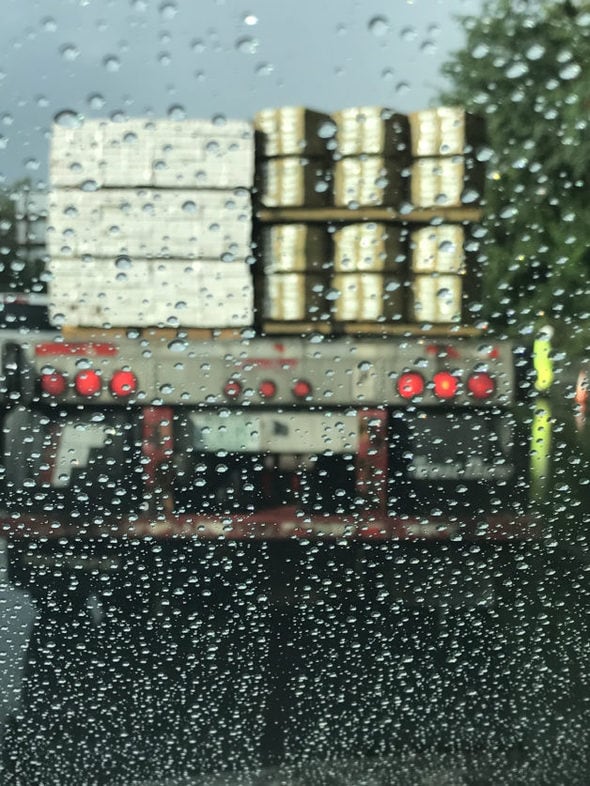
[524,67]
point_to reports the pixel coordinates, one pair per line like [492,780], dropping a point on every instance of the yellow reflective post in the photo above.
[542,421]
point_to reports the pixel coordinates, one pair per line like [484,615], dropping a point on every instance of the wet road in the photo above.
[402,664]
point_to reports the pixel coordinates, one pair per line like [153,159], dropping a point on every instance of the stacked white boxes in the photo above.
[294,170]
[151,224]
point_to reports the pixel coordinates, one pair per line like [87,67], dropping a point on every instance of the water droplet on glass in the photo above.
[166,389]
[69,52]
[111,63]
[408,33]
[484,153]
[189,206]
[219,120]
[177,345]
[250,20]
[49,24]
[327,130]
[95,101]
[264,69]
[402,87]
[535,52]
[168,10]
[177,112]
[387,73]
[212,147]
[480,51]
[516,70]
[89,185]
[32,164]
[378,26]
[570,71]
[247,45]
[123,263]
[68,119]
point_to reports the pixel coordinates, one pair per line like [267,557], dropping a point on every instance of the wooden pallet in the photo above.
[74,333]
[328,215]
[368,329]
[295,328]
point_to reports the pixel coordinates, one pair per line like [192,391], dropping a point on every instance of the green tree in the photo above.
[524,67]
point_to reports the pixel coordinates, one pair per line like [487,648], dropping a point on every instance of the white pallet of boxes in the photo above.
[151,224]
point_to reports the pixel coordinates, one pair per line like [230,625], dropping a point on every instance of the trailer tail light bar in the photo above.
[89,383]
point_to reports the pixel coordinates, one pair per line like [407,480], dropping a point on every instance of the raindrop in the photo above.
[402,87]
[484,153]
[535,52]
[32,164]
[378,26]
[247,45]
[68,119]
[96,101]
[123,263]
[69,52]
[166,389]
[387,73]
[177,112]
[408,34]
[189,206]
[176,345]
[130,138]
[89,185]
[250,20]
[428,47]
[516,70]
[111,63]
[197,45]
[42,101]
[212,147]
[219,120]
[164,58]
[570,71]
[168,10]
[264,69]
[480,51]
[327,130]
[49,24]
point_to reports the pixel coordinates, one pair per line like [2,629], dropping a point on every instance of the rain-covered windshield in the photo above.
[294,346]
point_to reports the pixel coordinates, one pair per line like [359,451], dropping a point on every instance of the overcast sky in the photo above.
[205,57]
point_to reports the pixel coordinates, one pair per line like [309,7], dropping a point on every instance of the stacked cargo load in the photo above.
[445,173]
[294,171]
[372,153]
[151,224]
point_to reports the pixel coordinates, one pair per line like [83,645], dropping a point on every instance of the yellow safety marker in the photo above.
[540,449]
[542,359]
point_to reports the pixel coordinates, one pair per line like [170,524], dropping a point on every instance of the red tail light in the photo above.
[410,384]
[123,383]
[445,384]
[481,385]
[267,389]
[54,384]
[232,389]
[301,389]
[88,383]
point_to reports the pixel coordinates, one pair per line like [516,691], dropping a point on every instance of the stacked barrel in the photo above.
[151,224]
[294,170]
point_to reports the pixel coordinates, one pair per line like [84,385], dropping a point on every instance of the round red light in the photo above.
[123,383]
[267,389]
[481,385]
[301,389]
[410,384]
[53,384]
[232,389]
[88,383]
[445,384]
